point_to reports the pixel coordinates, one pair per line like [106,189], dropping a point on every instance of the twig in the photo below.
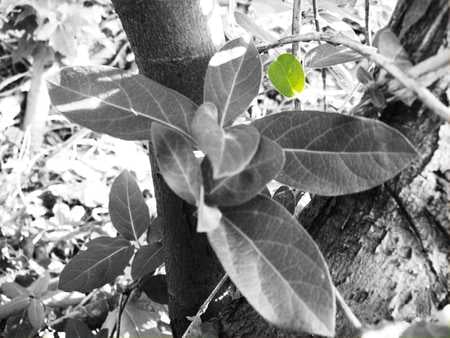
[6,82]
[367,23]
[296,25]
[348,312]
[324,74]
[204,307]
[371,53]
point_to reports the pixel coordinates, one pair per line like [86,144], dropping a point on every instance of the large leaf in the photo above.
[232,79]
[155,287]
[234,190]
[146,260]
[177,163]
[332,154]
[112,101]
[77,329]
[327,55]
[127,208]
[104,260]
[230,149]
[287,75]
[276,265]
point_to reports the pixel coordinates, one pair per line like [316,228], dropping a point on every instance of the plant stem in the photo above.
[324,74]
[296,25]
[348,312]
[367,23]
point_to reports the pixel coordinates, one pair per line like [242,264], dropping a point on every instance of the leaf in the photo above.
[77,329]
[40,285]
[177,163]
[286,198]
[234,190]
[36,313]
[428,330]
[389,45]
[364,76]
[207,217]
[230,149]
[232,79]
[112,101]
[155,233]
[14,306]
[287,75]
[146,260]
[104,260]
[327,55]
[276,266]
[127,208]
[12,290]
[332,154]
[155,287]
[250,26]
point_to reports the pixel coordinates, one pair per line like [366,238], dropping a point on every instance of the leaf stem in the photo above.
[296,25]
[324,74]
[367,23]
[347,311]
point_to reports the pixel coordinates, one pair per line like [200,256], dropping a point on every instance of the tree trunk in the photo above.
[173,43]
[387,247]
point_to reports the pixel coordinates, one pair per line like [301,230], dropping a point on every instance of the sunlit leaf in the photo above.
[287,75]
[177,163]
[12,290]
[276,266]
[327,55]
[77,329]
[230,149]
[155,287]
[146,260]
[104,260]
[36,313]
[127,208]
[234,190]
[208,217]
[254,29]
[112,101]
[232,79]
[333,154]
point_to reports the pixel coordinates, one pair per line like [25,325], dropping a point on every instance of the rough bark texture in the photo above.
[173,45]
[387,247]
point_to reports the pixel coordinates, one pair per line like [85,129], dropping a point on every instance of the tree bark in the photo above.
[387,247]
[173,43]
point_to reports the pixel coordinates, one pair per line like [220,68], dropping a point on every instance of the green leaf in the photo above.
[12,290]
[129,213]
[232,79]
[276,266]
[77,329]
[155,287]
[177,163]
[104,260]
[36,313]
[327,55]
[332,154]
[287,75]
[426,330]
[230,149]
[146,260]
[234,190]
[112,101]
[16,305]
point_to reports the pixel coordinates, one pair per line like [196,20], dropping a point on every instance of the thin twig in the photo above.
[324,74]
[371,53]
[348,312]
[367,23]
[296,26]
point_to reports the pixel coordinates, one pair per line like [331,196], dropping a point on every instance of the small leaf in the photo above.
[36,313]
[104,260]
[16,305]
[127,207]
[364,76]
[177,163]
[276,266]
[115,102]
[77,329]
[327,55]
[234,190]
[207,217]
[287,75]
[40,285]
[12,290]
[428,330]
[230,149]
[286,198]
[146,260]
[155,287]
[232,79]
[389,45]
[333,154]
[250,26]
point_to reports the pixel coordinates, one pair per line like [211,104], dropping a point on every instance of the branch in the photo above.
[371,53]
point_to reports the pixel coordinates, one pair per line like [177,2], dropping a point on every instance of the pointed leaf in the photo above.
[155,287]
[327,55]
[276,266]
[332,154]
[36,313]
[177,163]
[250,26]
[12,290]
[16,305]
[115,102]
[287,75]
[232,79]
[234,190]
[146,260]
[230,149]
[127,208]
[77,329]
[104,260]
[40,285]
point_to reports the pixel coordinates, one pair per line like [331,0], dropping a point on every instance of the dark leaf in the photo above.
[77,329]
[104,260]
[286,198]
[232,79]
[12,290]
[112,101]
[364,76]
[177,163]
[287,75]
[332,154]
[146,260]
[235,190]
[155,287]
[127,208]
[276,266]
[327,55]
[230,149]
[154,234]
[103,333]
[36,313]
[426,330]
